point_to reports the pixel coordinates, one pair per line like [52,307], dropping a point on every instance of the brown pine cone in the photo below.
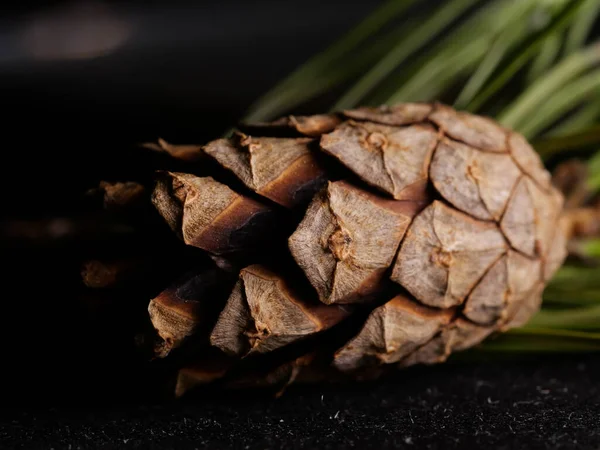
[418,230]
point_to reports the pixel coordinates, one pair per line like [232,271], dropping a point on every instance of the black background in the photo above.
[186,72]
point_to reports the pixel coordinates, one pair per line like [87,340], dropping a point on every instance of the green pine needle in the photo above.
[581,119]
[582,26]
[591,247]
[581,319]
[421,36]
[553,332]
[545,58]
[594,173]
[581,139]
[494,55]
[559,104]
[536,42]
[293,89]
[580,297]
[575,279]
[524,106]
[540,342]
[458,53]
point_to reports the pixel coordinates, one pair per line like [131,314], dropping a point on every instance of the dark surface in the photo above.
[552,403]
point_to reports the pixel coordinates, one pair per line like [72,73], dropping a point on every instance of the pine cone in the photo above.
[413,231]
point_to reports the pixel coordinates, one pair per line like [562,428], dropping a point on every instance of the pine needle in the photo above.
[502,44]
[594,178]
[572,299]
[552,332]
[582,26]
[433,26]
[523,107]
[545,58]
[574,278]
[591,247]
[559,104]
[581,139]
[458,52]
[292,90]
[559,22]
[587,115]
[538,342]
[587,318]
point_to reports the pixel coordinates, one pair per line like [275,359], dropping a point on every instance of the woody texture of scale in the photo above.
[353,243]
